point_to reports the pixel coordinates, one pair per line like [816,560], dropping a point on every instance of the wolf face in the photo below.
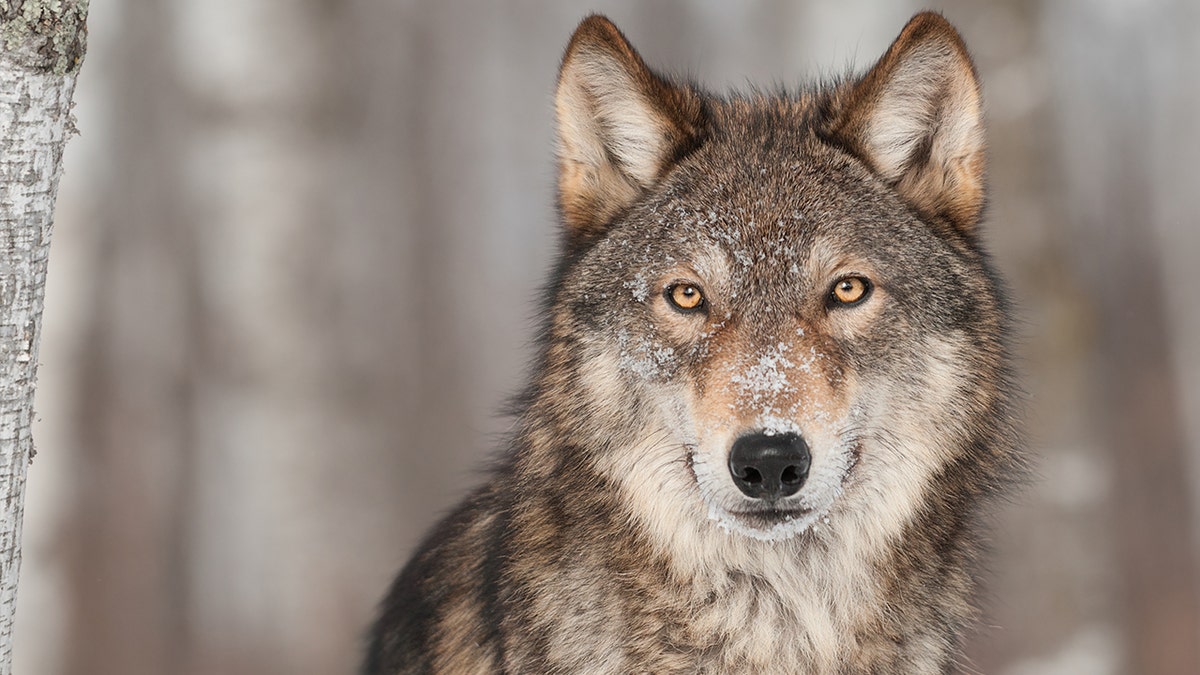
[773,390]
[786,301]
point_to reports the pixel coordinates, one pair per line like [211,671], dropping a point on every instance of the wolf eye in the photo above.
[685,297]
[849,291]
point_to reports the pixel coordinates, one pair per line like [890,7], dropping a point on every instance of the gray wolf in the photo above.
[773,398]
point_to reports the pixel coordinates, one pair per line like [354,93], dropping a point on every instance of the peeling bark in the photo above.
[41,47]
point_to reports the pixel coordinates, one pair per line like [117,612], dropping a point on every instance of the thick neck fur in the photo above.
[843,596]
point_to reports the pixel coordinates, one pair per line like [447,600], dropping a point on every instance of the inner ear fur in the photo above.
[916,118]
[621,127]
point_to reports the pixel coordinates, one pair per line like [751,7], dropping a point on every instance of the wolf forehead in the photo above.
[779,201]
[764,187]
[764,220]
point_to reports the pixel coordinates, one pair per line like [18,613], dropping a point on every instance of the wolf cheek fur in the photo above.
[773,395]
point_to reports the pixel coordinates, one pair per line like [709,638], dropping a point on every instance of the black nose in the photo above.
[769,467]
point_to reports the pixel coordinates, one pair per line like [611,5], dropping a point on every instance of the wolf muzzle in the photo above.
[769,467]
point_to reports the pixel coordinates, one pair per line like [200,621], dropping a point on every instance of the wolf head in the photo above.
[773,320]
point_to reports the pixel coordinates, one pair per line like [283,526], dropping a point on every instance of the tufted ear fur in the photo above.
[917,119]
[620,127]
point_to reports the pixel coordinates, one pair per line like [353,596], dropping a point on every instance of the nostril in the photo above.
[750,475]
[791,475]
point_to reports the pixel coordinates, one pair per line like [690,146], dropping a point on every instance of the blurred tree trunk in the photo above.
[43,46]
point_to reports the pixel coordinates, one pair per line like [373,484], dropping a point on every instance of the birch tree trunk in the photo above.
[42,44]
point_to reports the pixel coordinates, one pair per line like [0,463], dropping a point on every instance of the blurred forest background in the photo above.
[297,252]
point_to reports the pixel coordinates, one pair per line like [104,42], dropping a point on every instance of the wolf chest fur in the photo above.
[773,394]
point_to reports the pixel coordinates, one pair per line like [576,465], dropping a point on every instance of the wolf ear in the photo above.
[620,127]
[917,119]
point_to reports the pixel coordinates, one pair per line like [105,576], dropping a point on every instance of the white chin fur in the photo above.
[782,531]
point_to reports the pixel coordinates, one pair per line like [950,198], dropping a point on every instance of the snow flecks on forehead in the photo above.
[759,238]
[749,242]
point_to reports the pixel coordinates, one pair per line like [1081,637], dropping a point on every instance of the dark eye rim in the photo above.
[834,302]
[670,288]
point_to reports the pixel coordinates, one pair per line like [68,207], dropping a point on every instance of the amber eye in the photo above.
[850,291]
[685,297]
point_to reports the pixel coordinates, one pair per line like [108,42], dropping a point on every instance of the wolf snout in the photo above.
[769,467]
